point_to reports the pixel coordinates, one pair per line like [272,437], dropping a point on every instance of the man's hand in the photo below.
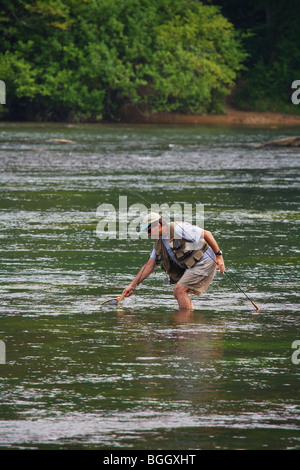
[220,264]
[142,275]
[210,239]
[128,290]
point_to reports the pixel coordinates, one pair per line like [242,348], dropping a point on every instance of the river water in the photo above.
[145,376]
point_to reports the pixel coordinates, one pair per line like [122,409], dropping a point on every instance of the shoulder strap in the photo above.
[172,231]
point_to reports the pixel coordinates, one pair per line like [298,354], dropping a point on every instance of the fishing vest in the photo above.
[185,253]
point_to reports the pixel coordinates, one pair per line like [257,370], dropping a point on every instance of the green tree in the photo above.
[83,59]
[195,61]
[273,46]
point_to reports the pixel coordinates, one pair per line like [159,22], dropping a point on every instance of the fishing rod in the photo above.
[236,285]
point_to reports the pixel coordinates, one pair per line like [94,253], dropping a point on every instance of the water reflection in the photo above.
[177,351]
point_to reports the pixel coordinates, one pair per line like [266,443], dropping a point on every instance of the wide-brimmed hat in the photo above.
[150,219]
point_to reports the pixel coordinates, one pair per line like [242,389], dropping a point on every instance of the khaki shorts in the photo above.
[198,278]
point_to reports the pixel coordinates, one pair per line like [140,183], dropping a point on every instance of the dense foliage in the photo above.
[273,47]
[85,59]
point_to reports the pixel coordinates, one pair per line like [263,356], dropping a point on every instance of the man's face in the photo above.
[154,230]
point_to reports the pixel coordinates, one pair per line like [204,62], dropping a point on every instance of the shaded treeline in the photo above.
[87,59]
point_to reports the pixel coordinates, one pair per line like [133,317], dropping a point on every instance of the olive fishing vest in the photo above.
[185,253]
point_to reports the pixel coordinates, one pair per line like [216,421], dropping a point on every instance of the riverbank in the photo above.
[232,117]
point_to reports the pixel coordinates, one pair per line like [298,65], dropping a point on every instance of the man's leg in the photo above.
[181,295]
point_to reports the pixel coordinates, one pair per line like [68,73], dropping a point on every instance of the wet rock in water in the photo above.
[65,141]
[285,142]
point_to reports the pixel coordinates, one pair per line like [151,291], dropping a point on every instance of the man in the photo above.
[189,255]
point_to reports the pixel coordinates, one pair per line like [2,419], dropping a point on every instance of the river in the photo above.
[146,376]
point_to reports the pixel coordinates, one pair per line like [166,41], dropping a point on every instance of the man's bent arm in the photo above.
[209,238]
[146,270]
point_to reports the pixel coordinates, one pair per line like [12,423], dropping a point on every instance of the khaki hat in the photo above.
[150,219]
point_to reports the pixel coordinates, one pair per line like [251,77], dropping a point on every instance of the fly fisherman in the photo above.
[189,255]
